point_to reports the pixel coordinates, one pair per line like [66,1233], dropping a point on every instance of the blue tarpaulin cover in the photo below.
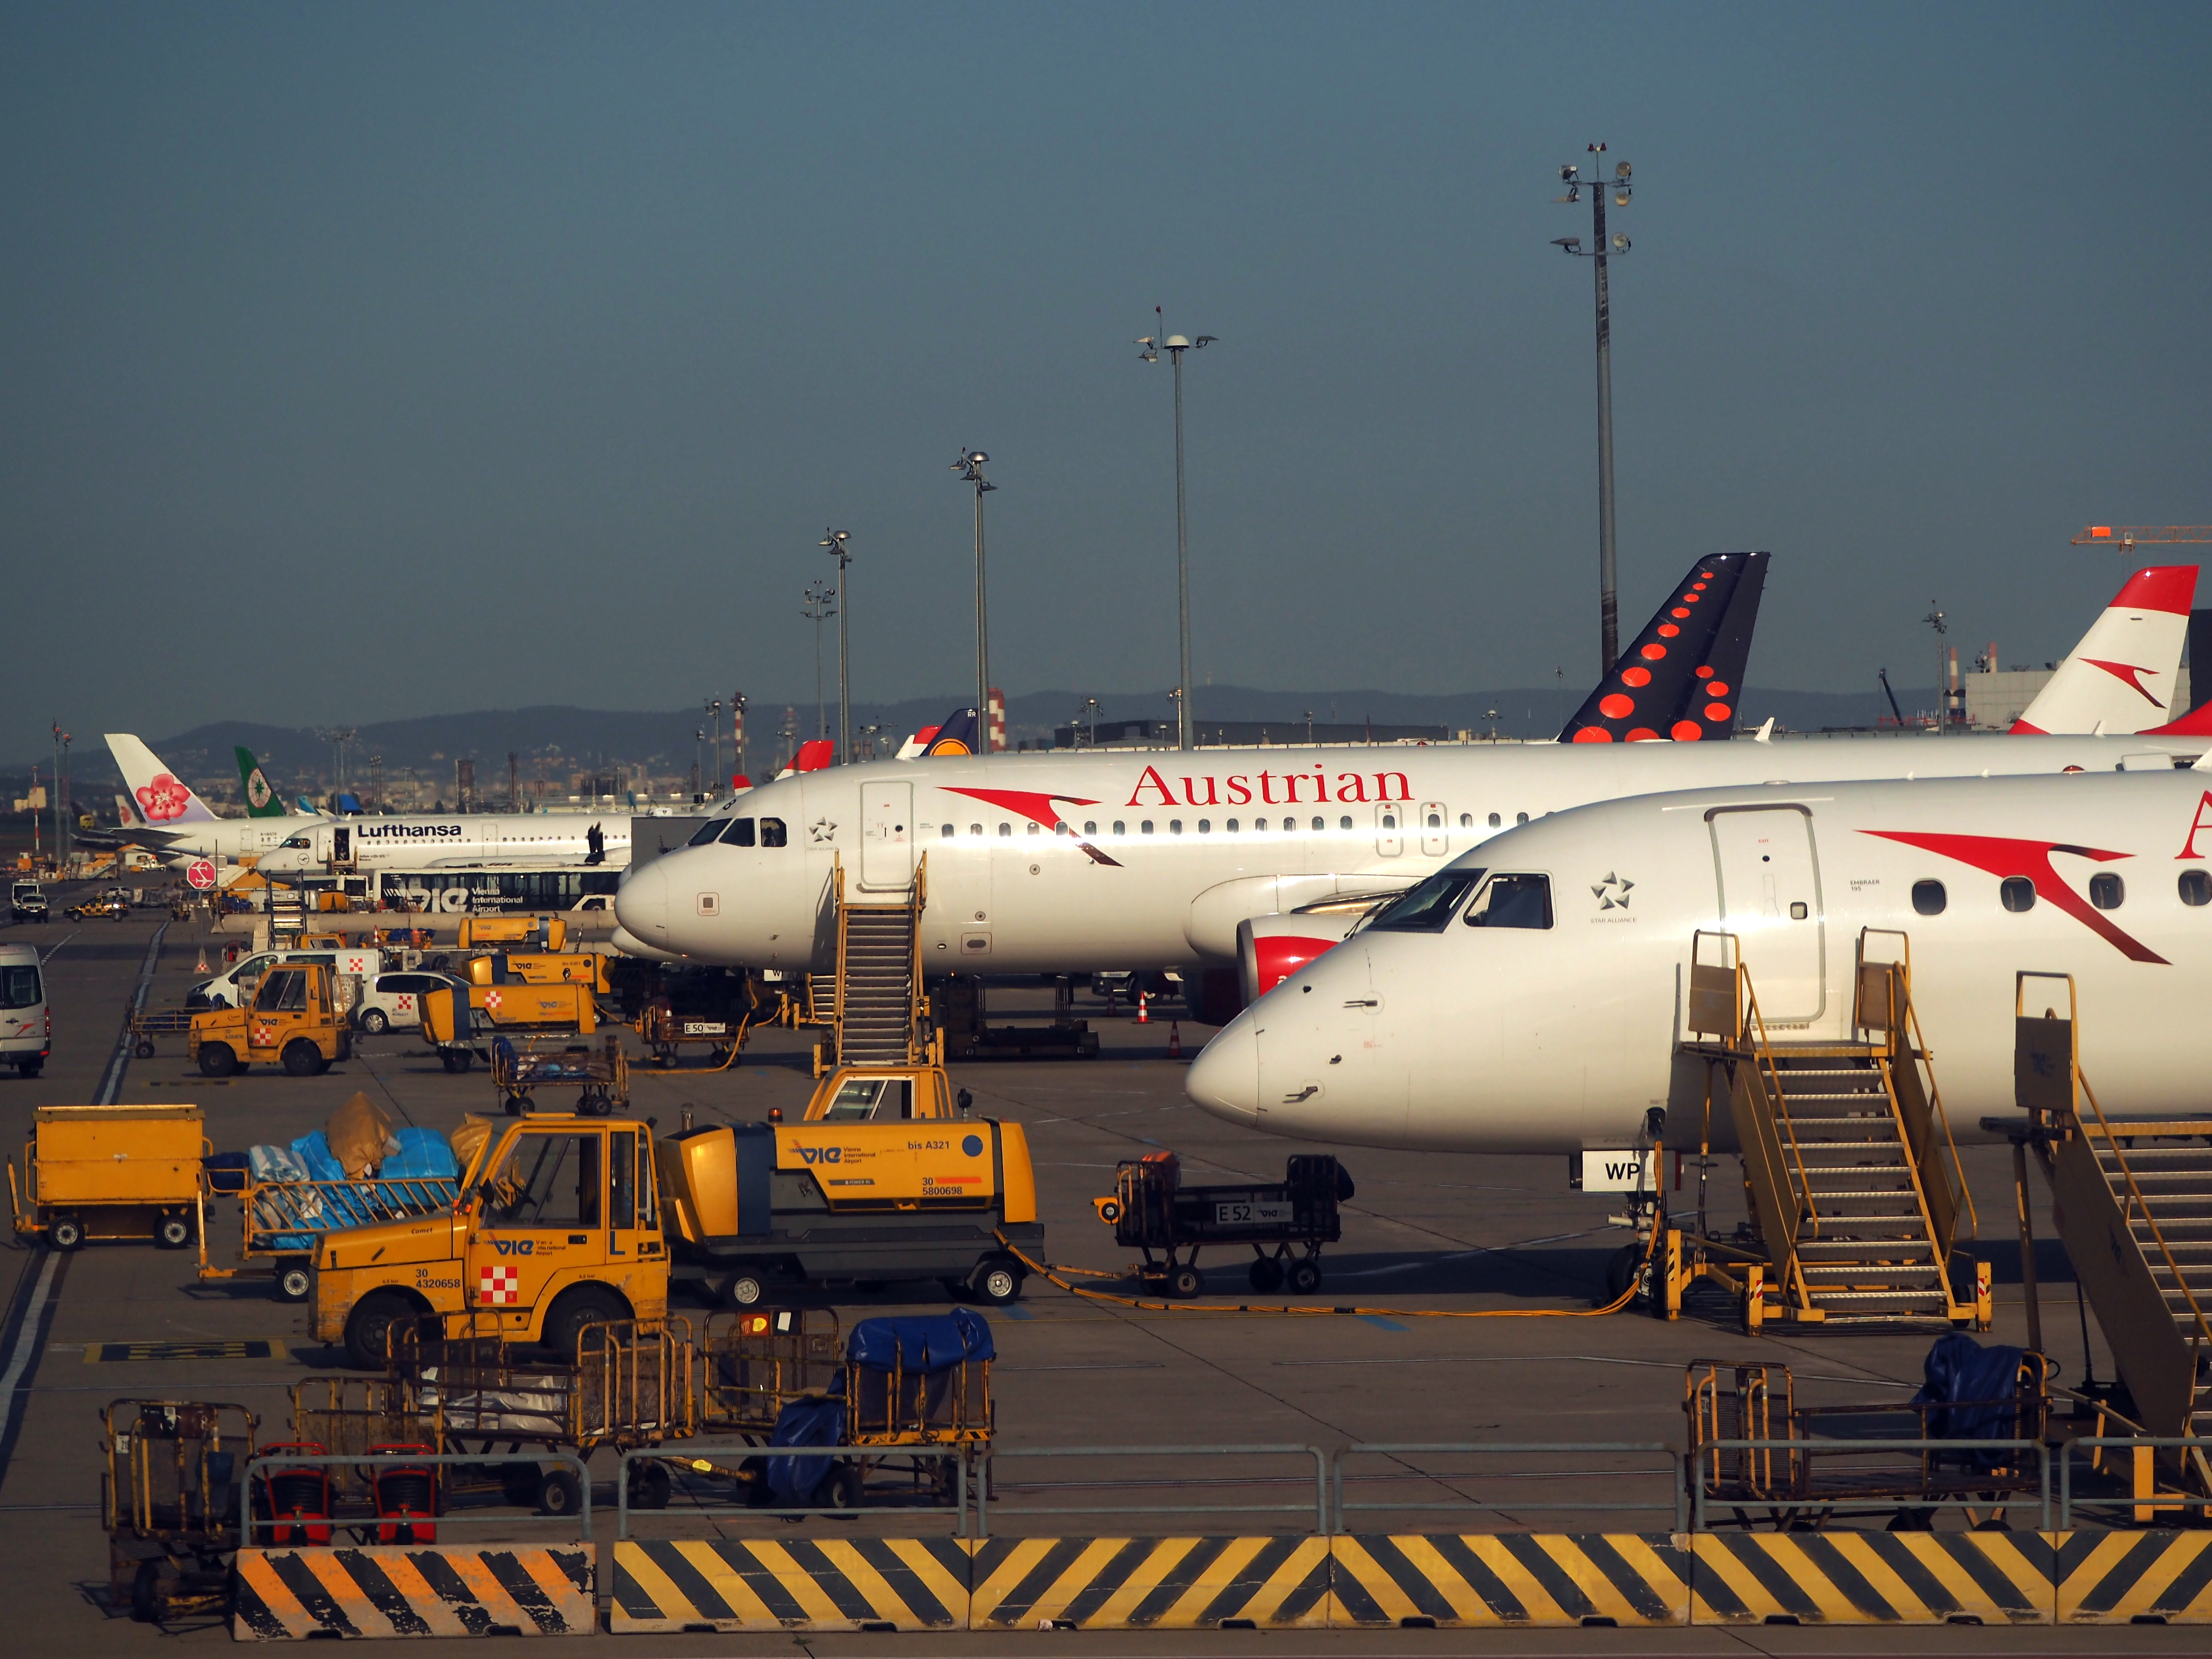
[1977,1385]
[794,1481]
[921,1342]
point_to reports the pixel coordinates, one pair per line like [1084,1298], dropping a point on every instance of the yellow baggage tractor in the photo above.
[126,1173]
[461,1021]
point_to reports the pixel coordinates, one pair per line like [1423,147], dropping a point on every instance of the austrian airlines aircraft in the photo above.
[1530,997]
[2121,676]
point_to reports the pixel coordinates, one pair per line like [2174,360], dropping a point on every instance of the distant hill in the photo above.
[557,739]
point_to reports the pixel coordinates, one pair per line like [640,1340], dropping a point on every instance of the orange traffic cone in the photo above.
[1174,1039]
[1144,1011]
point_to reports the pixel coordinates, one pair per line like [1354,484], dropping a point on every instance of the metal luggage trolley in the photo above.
[665,1032]
[1151,1210]
[280,1222]
[145,1024]
[752,1363]
[601,1075]
[171,1503]
[1754,1449]
[917,1381]
[633,1387]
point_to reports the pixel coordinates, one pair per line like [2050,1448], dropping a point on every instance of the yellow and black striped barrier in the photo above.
[799,1584]
[1150,1583]
[1525,1579]
[2135,1577]
[396,1591]
[1845,1577]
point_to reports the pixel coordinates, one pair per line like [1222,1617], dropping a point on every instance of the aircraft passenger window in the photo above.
[2018,893]
[1436,820]
[1174,826]
[1089,826]
[1389,821]
[2108,891]
[1119,828]
[705,833]
[772,832]
[1928,897]
[947,832]
[739,834]
[1059,829]
[1006,830]
[1427,907]
[1496,822]
[1513,902]
[1146,828]
[974,828]
[1520,818]
[1231,826]
[1319,826]
[1259,824]
[2196,887]
[1205,826]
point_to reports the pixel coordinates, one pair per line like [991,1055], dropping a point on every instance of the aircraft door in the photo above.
[340,844]
[1435,824]
[887,837]
[1769,876]
[1390,828]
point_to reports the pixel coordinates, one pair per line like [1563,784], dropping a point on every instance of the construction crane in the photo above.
[2127,536]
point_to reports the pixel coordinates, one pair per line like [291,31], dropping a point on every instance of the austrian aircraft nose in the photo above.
[642,904]
[1224,1079]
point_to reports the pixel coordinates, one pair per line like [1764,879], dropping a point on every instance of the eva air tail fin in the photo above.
[261,800]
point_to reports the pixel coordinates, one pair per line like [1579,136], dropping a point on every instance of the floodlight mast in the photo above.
[1600,250]
[1174,345]
[970,466]
[836,542]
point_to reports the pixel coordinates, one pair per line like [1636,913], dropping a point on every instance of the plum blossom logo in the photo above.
[163,799]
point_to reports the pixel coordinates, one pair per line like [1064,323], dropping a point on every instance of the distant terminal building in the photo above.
[1242,734]
[1997,697]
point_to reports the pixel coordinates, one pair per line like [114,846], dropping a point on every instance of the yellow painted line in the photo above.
[1466,1604]
[1159,1562]
[436,1612]
[726,1581]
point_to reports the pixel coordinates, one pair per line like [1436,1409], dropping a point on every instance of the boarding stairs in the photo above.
[2134,1205]
[1850,1174]
[878,1005]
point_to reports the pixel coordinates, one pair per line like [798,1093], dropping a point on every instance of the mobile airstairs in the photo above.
[873,1006]
[2132,1199]
[1851,1178]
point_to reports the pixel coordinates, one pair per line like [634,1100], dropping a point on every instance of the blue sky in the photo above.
[358,362]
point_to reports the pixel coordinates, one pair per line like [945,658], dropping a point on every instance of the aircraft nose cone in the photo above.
[642,904]
[1224,1079]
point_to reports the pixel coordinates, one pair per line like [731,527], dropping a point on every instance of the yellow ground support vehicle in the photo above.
[110,1172]
[538,932]
[567,1221]
[539,968]
[295,1019]
[886,1094]
[502,1003]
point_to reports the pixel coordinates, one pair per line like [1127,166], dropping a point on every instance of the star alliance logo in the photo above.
[823,831]
[1611,893]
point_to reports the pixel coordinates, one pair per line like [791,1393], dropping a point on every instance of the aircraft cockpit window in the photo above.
[299,841]
[739,834]
[706,833]
[1427,907]
[772,833]
[873,1099]
[1513,902]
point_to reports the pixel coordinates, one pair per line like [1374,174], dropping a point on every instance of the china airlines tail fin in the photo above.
[2120,678]
[162,798]
[1680,677]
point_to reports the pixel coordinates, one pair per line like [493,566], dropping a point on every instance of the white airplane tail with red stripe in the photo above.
[2121,677]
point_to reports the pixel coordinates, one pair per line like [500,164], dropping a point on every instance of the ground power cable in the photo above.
[1056,1275]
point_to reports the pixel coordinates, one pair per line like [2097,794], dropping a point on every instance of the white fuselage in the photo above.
[436,841]
[1073,862]
[228,838]
[1536,1038]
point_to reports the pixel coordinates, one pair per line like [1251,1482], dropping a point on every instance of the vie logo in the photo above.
[823,1154]
[514,1246]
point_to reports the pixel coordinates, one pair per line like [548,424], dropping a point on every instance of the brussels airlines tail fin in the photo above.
[162,798]
[2120,678]
[261,800]
[1680,678]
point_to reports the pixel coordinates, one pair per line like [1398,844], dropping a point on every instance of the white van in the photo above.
[233,988]
[27,1029]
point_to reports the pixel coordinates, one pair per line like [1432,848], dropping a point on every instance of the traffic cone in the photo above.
[1174,1039]
[203,966]
[1144,1012]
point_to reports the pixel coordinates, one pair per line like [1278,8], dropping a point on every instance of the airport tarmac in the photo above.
[1425,1234]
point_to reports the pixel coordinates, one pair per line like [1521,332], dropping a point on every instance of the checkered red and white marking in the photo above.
[491,1000]
[499,1287]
